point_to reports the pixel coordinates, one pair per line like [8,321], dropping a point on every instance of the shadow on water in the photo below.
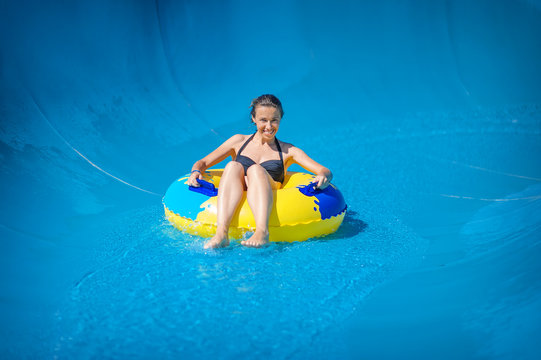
[351,226]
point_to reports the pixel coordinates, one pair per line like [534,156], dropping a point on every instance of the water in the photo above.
[170,296]
[431,126]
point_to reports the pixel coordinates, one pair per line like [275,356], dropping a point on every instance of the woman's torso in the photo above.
[273,156]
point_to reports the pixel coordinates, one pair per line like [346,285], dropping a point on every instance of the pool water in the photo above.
[430,124]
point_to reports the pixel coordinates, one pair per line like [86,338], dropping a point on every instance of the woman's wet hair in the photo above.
[266,100]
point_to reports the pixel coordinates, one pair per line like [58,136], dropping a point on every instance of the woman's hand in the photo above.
[192,180]
[322,181]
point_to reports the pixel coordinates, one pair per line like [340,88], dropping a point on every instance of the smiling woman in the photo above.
[259,171]
[267,120]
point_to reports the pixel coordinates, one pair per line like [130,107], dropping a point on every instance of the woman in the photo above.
[259,166]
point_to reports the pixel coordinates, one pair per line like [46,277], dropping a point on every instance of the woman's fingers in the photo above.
[192,180]
[317,181]
[322,182]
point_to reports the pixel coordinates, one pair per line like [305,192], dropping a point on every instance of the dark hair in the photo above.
[267,100]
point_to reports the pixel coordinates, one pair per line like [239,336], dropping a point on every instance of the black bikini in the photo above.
[275,168]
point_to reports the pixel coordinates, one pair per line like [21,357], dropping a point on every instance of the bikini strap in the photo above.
[281,158]
[279,150]
[245,143]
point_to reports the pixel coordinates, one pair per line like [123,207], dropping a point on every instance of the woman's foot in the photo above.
[221,239]
[258,239]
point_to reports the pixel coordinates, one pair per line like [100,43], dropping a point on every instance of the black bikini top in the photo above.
[275,168]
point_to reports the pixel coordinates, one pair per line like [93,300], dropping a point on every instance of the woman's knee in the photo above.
[256,171]
[234,167]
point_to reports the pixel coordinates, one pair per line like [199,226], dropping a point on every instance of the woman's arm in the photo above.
[323,175]
[219,154]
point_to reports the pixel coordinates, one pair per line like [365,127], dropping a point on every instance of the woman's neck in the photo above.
[260,140]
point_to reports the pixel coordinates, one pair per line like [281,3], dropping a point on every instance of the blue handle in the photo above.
[206,188]
[310,189]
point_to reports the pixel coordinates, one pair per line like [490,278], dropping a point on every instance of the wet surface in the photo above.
[435,149]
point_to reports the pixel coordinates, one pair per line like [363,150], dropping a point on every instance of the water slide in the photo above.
[427,112]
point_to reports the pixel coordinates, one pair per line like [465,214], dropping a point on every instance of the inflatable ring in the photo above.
[299,212]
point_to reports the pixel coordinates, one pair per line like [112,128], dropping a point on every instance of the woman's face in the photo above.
[267,119]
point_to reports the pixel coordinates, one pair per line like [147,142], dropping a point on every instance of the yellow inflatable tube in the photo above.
[298,211]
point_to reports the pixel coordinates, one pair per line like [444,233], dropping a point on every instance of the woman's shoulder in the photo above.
[286,147]
[236,141]
[237,138]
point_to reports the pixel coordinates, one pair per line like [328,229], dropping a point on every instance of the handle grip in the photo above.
[310,189]
[206,188]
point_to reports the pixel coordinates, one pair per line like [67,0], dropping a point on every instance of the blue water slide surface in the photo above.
[428,113]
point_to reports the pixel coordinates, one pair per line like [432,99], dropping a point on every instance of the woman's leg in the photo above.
[260,200]
[229,195]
